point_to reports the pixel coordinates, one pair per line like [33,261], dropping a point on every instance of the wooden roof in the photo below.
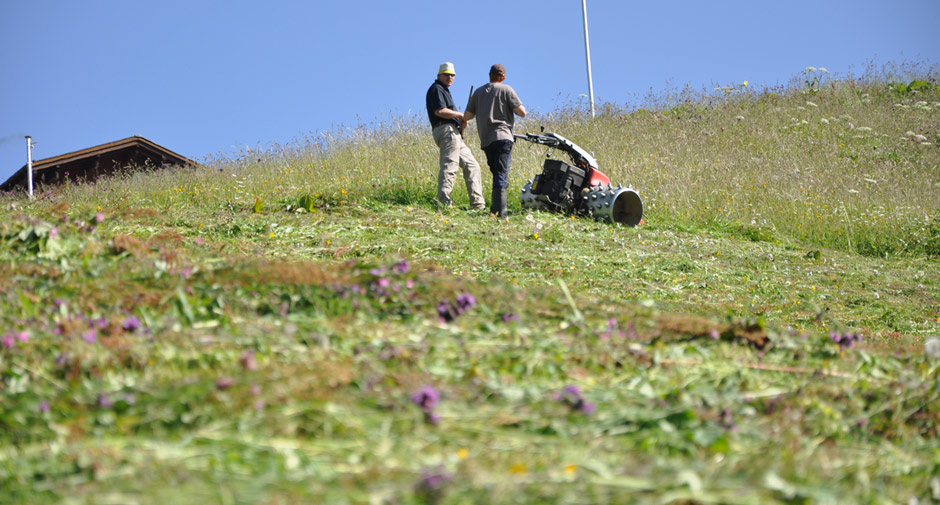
[142,149]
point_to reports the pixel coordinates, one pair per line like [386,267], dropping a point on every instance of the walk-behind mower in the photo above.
[580,189]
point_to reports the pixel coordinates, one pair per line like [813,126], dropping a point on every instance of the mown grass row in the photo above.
[159,369]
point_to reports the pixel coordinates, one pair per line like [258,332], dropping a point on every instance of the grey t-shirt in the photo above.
[492,104]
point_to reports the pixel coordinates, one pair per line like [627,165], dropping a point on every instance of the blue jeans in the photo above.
[498,157]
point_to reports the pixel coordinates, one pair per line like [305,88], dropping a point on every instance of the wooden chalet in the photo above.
[89,164]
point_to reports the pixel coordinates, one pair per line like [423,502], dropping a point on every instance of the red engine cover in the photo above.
[597,178]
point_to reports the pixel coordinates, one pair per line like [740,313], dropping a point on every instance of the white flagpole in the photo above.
[587,54]
[29,164]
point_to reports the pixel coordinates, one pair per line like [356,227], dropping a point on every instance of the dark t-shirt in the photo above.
[439,98]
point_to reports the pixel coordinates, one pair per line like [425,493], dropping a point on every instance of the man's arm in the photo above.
[520,110]
[446,113]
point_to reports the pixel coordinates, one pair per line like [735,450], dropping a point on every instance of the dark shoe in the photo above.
[495,201]
[503,212]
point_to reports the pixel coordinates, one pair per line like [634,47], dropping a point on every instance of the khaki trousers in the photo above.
[454,154]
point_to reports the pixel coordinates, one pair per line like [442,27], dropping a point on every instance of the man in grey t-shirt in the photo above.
[495,106]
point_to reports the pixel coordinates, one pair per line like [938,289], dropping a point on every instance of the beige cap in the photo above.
[447,68]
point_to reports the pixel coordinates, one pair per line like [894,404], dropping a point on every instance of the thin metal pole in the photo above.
[29,164]
[587,54]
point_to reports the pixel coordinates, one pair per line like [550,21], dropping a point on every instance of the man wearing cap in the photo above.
[445,127]
[497,105]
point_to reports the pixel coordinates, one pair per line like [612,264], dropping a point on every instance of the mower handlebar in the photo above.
[538,139]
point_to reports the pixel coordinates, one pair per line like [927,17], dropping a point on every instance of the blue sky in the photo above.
[203,77]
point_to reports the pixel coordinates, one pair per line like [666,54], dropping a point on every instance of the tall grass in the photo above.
[848,162]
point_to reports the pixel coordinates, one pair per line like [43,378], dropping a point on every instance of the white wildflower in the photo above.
[909,133]
[811,104]
[810,69]
[739,118]
[823,70]
[920,138]
[926,143]
[932,347]
[920,104]
[863,129]
[824,121]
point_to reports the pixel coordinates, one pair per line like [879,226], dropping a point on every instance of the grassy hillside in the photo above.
[303,324]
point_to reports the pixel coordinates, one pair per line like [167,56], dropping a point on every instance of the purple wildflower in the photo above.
[224,383]
[427,397]
[570,391]
[22,336]
[248,361]
[431,485]
[44,407]
[401,267]
[845,340]
[446,311]
[377,271]
[99,217]
[8,340]
[613,329]
[510,317]
[631,331]
[90,336]
[131,324]
[572,397]
[465,301]
[104,402]
[54,232]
